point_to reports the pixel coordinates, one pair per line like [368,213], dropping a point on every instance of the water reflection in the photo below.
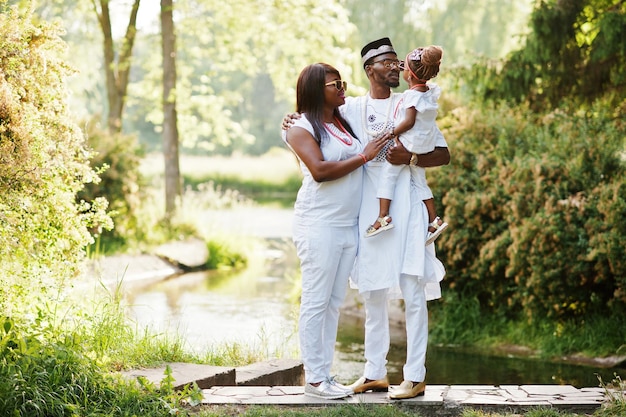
[458,366]
[216,307]
[256,308]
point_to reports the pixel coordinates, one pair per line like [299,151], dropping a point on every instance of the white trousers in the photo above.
[326,259]
[377,331]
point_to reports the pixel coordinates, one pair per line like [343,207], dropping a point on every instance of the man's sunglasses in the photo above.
[390,63]
[339,85]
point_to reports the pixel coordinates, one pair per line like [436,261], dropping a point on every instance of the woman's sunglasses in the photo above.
[339,85]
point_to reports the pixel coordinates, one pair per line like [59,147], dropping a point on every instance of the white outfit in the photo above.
[420,139]
[396,264]
[326,236]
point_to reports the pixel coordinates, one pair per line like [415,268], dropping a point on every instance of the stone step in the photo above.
[272,372]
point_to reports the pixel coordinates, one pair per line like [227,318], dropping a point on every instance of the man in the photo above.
[395,264]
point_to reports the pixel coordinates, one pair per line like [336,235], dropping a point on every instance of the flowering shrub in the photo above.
[43,164]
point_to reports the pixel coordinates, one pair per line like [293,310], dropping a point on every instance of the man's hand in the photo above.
[398,154]
[289,120]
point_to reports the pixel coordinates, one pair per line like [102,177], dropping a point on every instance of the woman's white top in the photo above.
[329,203]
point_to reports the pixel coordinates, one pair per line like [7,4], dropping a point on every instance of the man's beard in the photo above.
[392,83]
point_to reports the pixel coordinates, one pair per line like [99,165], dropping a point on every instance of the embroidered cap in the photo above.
[375,48]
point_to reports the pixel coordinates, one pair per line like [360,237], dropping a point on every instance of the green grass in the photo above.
[47,372]
[616,394]
[273,178]
[358,410]
[459,320]
[369,410]
[282,194]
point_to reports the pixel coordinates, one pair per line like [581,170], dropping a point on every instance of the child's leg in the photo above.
[384,204]
[383,213]
[383,222]
[430,206]
[387,183]
[435,224]
[432,214]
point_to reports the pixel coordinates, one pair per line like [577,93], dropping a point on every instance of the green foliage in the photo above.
[460,320]
[117,157]
[236,79]
[615,392]
[112,341]
[174,400]
[43,163]
[44,373]
[537,205]
[259,190]
[232,354]
[575,50]
[338,410]
[221,256]
[531,412]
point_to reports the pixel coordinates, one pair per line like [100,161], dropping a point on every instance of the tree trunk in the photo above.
[170,129]
[117,74]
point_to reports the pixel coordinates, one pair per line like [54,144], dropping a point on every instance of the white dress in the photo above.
[420,139]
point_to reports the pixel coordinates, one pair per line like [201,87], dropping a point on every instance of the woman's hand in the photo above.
[289,120]
[374,146]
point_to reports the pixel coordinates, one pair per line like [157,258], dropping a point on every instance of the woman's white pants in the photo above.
[326,259]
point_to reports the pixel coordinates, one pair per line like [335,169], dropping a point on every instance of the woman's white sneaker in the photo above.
[327,390]
[342,387]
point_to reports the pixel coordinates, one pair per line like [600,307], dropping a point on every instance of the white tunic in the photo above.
[401,250]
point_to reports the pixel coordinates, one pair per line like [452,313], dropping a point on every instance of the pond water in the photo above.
[256,308]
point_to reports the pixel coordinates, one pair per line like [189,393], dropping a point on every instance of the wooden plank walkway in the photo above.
[439,400]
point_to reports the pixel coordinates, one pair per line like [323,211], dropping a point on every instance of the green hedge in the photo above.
[537,208]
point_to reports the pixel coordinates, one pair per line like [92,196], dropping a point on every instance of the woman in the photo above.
[325,217]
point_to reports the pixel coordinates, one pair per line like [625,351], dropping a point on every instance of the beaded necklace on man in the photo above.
[386,124]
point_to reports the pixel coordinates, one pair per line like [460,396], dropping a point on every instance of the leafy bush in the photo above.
[117,157]
[222,255]
[537,207]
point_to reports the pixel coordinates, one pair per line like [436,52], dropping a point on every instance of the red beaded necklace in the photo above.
[348,135]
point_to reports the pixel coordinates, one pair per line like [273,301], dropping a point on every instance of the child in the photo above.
[419,131]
